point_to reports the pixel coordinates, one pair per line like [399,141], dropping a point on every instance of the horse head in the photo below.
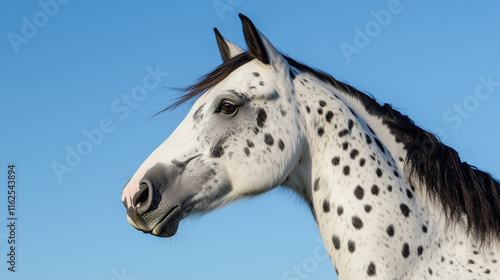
[239,139]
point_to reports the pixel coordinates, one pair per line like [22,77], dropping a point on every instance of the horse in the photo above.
[390,200]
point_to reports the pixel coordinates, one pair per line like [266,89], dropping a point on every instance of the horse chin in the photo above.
[167,227]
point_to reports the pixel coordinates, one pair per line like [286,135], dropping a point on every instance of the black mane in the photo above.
[461,189]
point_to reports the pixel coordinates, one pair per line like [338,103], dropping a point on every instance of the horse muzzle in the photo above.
[157,202]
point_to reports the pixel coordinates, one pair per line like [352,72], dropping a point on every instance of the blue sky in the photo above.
[68,72]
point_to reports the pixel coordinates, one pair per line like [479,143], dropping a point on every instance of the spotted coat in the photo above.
[270,121]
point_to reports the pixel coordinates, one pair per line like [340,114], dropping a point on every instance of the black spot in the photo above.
[256,74]
[336,242]
[368,139]
[268,139]
[372,270]
[357,222]
[340,210]
[322,103]
[343,132]
[390,230]
[335,160]
[320,111]
[424,229]
[247,151]
[250,144]
[217,150]
[400,159]
[396,174]
[329,116]
[326,206]
[379,172]
[362,162]
[487,271]
[471,262]
[351,246]
[261,117]
[405,209]
[346,170]
[375,190]
[316,185]
[281,145]
[406,250]
[430,271]
[321,131]
[354,153]
[409,194]
[368,208]
[420,250]
[350,124]
[255,130]
[308,109]
[359,193]
[389,188]
[381,147]
[345,145]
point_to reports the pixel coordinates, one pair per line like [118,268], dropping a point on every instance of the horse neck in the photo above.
[352,174]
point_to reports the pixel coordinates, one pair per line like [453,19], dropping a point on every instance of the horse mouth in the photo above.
[169,224]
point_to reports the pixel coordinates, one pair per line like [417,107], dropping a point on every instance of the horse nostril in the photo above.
[143,198]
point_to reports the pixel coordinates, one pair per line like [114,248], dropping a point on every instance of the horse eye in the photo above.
[227,108]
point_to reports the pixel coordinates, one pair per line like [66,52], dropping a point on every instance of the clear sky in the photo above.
[68,69]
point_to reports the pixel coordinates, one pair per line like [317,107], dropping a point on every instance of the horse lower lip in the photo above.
[168,226]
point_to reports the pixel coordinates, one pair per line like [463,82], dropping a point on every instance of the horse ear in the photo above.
[260,46]
[253,39]
[227,49]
